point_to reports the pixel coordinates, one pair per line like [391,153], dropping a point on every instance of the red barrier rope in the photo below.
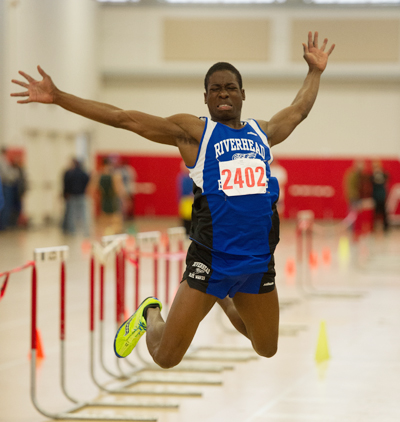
[7,276]
[134,262]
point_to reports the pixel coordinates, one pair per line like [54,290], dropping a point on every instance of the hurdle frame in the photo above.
[60,254]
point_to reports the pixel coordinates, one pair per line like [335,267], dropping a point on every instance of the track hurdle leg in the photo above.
[112,244]
[60,253]
[119,241]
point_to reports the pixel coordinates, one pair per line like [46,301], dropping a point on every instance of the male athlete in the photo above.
[235,227]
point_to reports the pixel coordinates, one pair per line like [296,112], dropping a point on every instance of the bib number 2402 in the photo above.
[245,176]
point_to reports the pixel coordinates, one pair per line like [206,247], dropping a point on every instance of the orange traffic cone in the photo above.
[39,346]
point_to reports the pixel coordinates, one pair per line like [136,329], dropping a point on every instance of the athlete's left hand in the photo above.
[316,57]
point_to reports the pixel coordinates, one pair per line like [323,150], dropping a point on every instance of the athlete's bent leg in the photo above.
[231,312]
[260,315]
[168,341]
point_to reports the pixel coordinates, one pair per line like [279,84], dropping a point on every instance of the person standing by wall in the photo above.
[1,196]
[109,187]
[19,188]
[76,213]
[129,177]
[379,180]
[8,176]
[352,185]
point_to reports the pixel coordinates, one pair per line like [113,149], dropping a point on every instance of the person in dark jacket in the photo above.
[379,193]
[76,213]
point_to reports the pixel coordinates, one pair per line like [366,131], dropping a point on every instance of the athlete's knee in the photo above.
[167,360]
[267,350]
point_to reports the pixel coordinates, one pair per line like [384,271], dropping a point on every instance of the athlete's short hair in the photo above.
[222,66]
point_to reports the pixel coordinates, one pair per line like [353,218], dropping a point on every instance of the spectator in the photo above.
[365,184]
[8,176]
[1,196]
[129,176]
[352,185]
[76,213]
[19,188]
[379,193]
[112,195]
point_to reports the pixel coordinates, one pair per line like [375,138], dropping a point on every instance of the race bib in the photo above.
[246,176]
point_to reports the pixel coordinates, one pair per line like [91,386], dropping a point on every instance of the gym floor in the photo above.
[341,306]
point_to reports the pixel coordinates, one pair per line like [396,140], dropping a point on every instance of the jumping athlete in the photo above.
[235,225]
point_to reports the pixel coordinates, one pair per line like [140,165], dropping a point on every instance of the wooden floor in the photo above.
[352,289]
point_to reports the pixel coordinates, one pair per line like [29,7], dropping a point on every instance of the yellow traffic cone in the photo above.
[322,353]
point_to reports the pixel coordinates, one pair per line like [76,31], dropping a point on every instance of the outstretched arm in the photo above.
[173,130]
[284,122]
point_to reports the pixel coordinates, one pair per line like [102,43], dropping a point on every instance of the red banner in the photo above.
[306,183]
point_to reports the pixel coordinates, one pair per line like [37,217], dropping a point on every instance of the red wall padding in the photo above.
[312,183]
[160,170]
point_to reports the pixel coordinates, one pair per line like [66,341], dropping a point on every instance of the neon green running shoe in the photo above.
[133,328]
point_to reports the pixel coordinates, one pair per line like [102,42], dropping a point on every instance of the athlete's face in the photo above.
[224,97]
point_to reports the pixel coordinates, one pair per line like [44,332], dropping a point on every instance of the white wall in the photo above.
[115,54]
[356,112]
[59,35]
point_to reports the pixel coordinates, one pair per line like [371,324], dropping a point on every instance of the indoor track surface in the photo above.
[341,307]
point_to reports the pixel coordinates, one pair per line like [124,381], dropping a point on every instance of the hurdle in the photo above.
[110,244]
[114,244]
[304,238]
[60,254]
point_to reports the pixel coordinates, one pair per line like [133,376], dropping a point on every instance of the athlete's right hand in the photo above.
[37,91]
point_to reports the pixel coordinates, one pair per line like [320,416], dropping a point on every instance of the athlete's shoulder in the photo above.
[190,124]
[185,118]
[262,124]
